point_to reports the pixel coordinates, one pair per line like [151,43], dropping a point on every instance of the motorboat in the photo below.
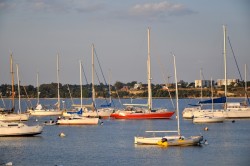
[19,129]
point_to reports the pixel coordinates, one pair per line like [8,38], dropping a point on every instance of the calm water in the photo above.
[112,143]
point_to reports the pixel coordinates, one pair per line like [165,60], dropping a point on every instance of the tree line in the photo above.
[102,90]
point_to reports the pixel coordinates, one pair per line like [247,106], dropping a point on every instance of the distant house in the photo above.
[164,87]
[125,88]
[202,83]
[138,86]
[221,82]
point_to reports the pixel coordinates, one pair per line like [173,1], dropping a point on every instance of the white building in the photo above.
[202,83]
[221,82]
[138,86]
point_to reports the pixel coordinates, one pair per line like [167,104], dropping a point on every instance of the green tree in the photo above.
[119,85]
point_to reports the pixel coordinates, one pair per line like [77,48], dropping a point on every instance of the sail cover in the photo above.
[106,105]
[216,100]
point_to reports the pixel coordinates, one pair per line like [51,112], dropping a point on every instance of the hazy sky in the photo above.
[36,30]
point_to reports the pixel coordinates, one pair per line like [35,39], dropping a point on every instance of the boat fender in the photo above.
[9,164]
[161,143]
[62,134]
[206,128]
[205,142]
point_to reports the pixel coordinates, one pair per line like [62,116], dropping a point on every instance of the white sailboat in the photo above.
[231,110]
[93,112]
[237,109]
[187,113]
[11,116]
[209,118]
[41,110]
[18,128]
[107,106]
[174,140]
[78,119]
[217,112]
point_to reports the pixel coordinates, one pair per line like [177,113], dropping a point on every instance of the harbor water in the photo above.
[112,143]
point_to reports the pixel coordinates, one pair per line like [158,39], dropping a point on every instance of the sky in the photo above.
[35,31]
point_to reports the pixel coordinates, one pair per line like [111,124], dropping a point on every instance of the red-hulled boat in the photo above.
[148,113]
[139,115]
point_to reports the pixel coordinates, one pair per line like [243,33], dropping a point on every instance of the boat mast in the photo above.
[70,95]
[18,85]
[177,98]
[110,87]
[93,68]
[201,82]
[149,74]
[212,95]
[225,60]
[81,80]
[58,86]
[12,82]
[38,93]
[245,83]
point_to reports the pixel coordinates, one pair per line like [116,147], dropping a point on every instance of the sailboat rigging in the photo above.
[78,118]
[133,112]
[172,140]
[94,112]
[40,110]
[19,128]
[11,115]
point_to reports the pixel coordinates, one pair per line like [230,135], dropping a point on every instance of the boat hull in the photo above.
[14,117]
[151,115]
[105,114]
[191,141]
[237,113]
[152,140]
[188,112]
[20,129]
[228,113]
[78,121]
[46,113]
[208,119]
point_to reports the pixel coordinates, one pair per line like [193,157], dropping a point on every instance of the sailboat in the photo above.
[209,118]
[74,109]
[10,115]
[188,112]
[230,110]
[237,109]
[78,119]
[174,140]
[40,110]
[148,113]
[107,105]
[90,110]
[19,128]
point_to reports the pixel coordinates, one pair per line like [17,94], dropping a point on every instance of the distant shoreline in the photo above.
[128,98]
